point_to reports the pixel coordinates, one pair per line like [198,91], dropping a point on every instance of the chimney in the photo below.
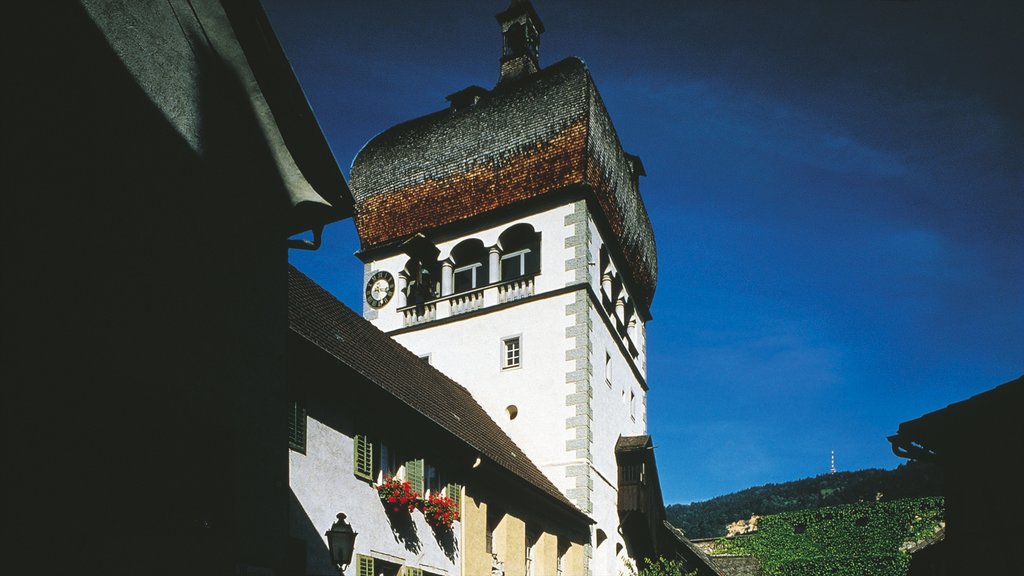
[466,97]
[520,31]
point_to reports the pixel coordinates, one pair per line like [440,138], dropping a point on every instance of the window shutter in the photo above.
[455,493]
[364,565]
[297,427]
[414,474]
[363,459]
[410,571]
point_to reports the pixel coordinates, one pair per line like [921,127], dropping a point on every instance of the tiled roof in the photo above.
[323,321]
[546,133]
[632,443]
[696,557]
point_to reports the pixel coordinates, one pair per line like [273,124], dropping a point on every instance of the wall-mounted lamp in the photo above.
[341,541]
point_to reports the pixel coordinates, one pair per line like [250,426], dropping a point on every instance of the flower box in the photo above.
[397,496]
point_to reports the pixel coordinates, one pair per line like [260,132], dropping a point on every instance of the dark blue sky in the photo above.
[836,187]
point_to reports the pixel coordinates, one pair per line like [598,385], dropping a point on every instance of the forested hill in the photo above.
[709,518]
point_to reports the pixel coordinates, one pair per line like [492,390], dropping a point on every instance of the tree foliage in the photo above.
[661,567]
[852,540]
[708,519]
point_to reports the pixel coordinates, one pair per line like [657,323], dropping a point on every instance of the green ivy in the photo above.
[661,567]
[853,540]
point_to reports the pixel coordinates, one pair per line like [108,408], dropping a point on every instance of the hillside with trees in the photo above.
[708,519]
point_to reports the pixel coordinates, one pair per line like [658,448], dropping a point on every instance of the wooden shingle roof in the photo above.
[541,135]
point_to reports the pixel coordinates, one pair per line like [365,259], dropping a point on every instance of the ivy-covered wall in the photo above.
[862,539]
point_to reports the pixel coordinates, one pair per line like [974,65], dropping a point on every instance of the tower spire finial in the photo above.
[521,28]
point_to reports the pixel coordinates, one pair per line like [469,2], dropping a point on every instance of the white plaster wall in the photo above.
[606,514]
[323,482]
[549,222]
[470,352]
[595,284]
[611,403]
[611,418]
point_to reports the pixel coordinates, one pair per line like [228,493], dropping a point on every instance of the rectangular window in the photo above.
[608,369]
[432,479]
[468,277]
[363,457]
[511,349]
[297,427]
[387,461]
[632,406]
[514,264]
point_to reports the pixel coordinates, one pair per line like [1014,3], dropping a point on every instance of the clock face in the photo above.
[380,289]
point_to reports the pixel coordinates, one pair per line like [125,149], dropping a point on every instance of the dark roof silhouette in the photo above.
[929,437]
[543,134]
[323,321]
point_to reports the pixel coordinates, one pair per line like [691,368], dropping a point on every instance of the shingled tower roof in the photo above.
[537,133]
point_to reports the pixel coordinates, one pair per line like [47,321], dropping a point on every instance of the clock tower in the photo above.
[505,241]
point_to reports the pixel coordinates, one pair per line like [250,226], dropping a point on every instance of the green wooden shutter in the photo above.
[410,571]
[297,427]
[414,474]
[364,566]
[363,458]
[455,493]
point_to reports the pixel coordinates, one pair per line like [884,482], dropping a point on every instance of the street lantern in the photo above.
[341,540]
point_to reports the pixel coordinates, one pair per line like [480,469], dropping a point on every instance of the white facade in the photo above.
[580,379]
[323,483]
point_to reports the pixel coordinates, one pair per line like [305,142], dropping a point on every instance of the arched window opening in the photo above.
[470,261]
[520,251]
[423,281]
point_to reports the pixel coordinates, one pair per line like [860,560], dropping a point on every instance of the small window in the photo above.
[519,263]
[388,461]
[608,369]
[469,277]
[297,427]
[470,259]
[520,248]
[432,479]
[632,406]
[511,349]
